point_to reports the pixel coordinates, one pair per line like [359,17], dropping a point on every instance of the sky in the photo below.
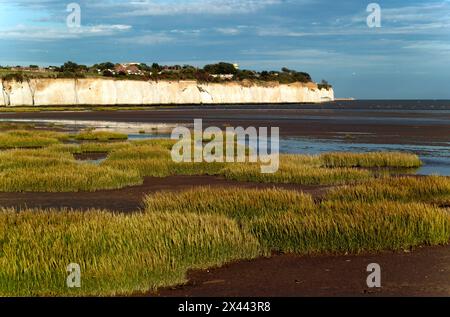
[407,57]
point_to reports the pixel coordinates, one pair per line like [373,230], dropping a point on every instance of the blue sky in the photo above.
[408,57]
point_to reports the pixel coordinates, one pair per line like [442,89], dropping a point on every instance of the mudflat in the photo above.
[130,199]
[374,122]
[421,272]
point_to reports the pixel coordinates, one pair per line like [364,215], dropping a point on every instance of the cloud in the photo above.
[428,19]
[194,32]
[35,33]
[437,28]
[148,39]
[425,13]
[436,46]
[228,31]
[291,53]
[193,7]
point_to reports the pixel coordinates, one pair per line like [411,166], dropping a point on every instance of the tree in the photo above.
[156,66]
[104,66]
[324,85]
[221,69]
[72,67]
[265,75]
[69,67]
[144,67]
[246,74]
[108,73]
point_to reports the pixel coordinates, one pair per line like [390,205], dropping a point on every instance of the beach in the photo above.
[418,127]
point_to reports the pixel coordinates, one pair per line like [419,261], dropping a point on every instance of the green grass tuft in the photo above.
[100,136]
[373,159]
[26,139]
[430,189]
[289,221]
[118,254]
[236,203]
[57,171]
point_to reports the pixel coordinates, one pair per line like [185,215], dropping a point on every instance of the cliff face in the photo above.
[56,92]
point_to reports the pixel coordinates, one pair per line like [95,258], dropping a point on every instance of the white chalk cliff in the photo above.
[99,91]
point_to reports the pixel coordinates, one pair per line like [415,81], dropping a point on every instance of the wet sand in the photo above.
[130,199]
[422,272]
[330,121]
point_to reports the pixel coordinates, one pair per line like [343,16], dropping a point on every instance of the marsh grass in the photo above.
[196,229]
[289,221]
[57,171]
[153,158]
[201,228]
[236,203]
[100,136]
[430,189]
[325,169]
[296,174]
[118,254]
[355,227]
[371,159]
[70,178]
[11,140]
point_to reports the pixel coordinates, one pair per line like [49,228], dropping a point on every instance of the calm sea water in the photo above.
[436,159]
